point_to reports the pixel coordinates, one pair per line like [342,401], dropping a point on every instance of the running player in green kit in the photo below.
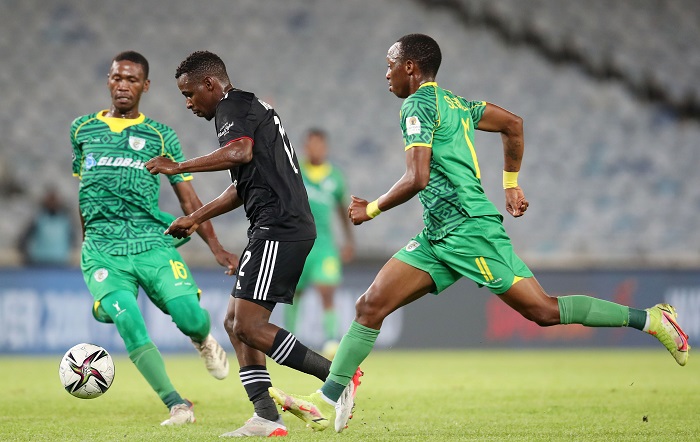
[124,246]
[325,186]
[463,234]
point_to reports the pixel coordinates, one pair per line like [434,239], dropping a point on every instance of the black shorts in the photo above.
[269,270]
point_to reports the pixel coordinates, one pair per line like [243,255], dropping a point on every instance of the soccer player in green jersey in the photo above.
[463,234]
[124,246]
[325,186]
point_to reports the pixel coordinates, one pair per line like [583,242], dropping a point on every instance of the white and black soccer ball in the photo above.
[86,371]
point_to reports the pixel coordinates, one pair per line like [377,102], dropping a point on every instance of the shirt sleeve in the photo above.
[234,118]
[476,108]
[77,156]
[173,150]
[419,116]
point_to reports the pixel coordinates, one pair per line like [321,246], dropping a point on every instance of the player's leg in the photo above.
[527,297]
[122,308]
[291,311]
[326,280]
[169,284]
[268,275]
[329,320]
[194,322]
[251,325]
[490,260]
[396,285]
[111,281]
[256,381]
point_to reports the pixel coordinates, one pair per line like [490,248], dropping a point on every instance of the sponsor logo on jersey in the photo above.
[100,275]
[89,161]
[120,162]
[413,245]
[225,130]
[137,143]
[412,126]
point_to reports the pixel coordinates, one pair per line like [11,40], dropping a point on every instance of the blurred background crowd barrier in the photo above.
[608,92]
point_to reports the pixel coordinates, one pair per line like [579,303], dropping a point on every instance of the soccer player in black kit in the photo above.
[254,147]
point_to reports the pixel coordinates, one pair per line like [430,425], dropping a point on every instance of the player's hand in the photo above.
[227,260]
[357,212]
[182,227]
[516,204]
[162,165]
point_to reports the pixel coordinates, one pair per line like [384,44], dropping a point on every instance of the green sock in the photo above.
[638,318]
[291,312]
[594,312]
[149,362]
[330,324]
[353,349]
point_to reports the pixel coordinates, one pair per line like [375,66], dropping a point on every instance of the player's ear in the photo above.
[209,83]
[146,85]
[410,67]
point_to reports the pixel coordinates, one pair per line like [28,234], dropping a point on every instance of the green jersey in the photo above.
[325,187]
[118,196]
[436,118]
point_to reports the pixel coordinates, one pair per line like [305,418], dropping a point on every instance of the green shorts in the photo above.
[322,267]
[161,272]
[478,249]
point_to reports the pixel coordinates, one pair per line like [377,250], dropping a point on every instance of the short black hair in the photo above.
[135,57]
[200,64]
[423,50]
[316,132]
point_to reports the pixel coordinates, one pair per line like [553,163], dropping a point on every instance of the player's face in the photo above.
[316,149]
[126,82]
[396,72]
[199,96]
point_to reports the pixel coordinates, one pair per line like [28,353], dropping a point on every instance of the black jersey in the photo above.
[271,185]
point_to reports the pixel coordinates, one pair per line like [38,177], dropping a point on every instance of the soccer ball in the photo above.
[86,371]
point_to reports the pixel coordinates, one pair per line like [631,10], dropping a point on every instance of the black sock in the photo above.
[287,351]
[256,381]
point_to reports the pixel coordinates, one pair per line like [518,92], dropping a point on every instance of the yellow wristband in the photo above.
[373,209]
[510,179]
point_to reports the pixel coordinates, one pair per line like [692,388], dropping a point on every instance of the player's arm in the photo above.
[348,249]
[82,224]
[190,202]
[510,126]
[187,225]
[233,154]
[413,181]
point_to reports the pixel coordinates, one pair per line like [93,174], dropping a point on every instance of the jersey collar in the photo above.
[119,124]
[430,83]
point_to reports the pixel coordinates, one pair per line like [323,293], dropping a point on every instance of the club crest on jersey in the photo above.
[412,126]
[411,246]
[100,275]
[137,143]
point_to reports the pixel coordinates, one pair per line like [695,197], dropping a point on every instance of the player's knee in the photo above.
[541,316]
[369,311]
[229,321]
[244,332]
[193,325]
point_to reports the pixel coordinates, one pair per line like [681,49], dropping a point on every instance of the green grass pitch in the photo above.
[606,395]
